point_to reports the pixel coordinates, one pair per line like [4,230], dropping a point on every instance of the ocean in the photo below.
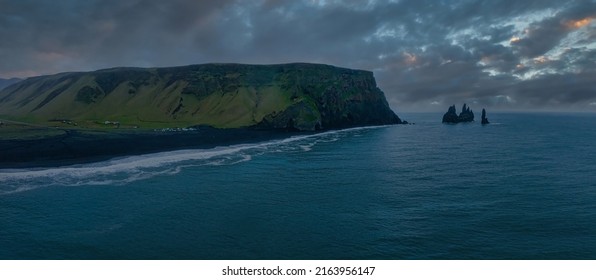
[522,187]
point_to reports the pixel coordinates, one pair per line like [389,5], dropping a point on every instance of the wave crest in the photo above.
[121,171]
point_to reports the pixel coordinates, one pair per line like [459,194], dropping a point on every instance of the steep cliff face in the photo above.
[287,96]
[330,97]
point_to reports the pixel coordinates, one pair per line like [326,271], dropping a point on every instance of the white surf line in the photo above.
[149,160]
[136,164]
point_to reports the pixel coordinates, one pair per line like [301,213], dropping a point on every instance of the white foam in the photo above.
[306,148]
[133,168]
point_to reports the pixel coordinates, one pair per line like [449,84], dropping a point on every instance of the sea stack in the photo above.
[484,119]
[466,115]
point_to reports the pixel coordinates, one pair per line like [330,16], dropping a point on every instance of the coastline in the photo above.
[82,146]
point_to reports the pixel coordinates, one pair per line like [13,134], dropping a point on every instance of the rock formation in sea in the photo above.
[484,119]
[297,96]
[451,115]
[466,115]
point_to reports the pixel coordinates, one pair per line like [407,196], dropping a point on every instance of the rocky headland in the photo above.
[77,116]
[297,96]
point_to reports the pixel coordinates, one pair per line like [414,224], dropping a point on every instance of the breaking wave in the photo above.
[121,171]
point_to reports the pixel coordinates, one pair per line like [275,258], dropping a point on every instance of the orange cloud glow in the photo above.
[578,23]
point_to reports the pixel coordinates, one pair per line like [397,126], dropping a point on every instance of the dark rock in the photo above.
[451,115]
[484,119]
[466,115]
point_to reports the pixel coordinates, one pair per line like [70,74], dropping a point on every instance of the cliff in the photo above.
[295,96]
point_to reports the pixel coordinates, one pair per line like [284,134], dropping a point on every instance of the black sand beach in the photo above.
[81,146]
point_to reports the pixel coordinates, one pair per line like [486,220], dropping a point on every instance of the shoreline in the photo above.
[80,147]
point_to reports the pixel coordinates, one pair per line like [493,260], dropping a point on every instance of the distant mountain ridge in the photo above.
[297,96]
[7,82]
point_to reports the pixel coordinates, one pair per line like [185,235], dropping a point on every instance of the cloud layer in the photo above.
[425,54]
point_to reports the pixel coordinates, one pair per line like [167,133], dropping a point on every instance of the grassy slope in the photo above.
[151,106]
[220,95]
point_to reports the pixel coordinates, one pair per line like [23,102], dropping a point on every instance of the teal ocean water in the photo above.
[523,187]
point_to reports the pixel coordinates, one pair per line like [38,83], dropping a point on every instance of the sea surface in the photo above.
[523,187]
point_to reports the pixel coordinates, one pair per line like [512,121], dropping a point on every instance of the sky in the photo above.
[425,55]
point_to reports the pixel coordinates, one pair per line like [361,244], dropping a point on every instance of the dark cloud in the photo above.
[426,54]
